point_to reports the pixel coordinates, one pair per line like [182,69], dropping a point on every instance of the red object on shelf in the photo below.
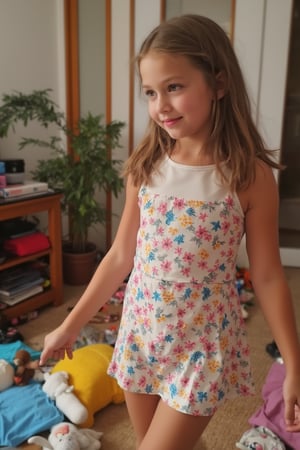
[27,245]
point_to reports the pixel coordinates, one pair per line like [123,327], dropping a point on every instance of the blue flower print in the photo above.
[202,396]
[173,390]
[169,217]
[179,239]
[216,226]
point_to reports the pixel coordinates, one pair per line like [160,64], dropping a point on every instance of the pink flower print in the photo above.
[167,244]
[178,349]
[236,220]
[127,383]
[202,233]
[179,287]
[188,257]
[229,201]
[190,345]
[142,382]
[179,203]
[181,312]
[225,226]
[155,271]
[162,208]
[184,381]
[185,271]
[202,265]
[211,317]
[166,266]
[231,241]
[181,334]
[207,345]
[244,390]
[160,230]
[178,251]
[206,307]
[203,216]
[170,378]
[213,387]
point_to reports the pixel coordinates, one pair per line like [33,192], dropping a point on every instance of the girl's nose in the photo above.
[163,103]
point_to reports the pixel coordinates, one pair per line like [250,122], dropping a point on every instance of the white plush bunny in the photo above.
[57,388]
[65,436]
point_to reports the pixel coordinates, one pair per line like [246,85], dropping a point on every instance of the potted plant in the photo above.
[80,173]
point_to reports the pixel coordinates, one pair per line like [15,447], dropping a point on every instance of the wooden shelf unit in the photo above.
[12,208]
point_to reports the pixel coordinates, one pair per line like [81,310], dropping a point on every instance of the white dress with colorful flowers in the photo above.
[182,335]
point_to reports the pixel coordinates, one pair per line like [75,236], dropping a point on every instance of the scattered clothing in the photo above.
[260,438]
[271,414]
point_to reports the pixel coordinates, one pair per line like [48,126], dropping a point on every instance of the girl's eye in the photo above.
[174,87]
[149,93]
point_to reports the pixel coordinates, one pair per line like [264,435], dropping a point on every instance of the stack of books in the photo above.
[19,283]
[26,189]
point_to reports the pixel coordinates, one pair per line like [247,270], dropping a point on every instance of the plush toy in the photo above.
[260,438]
[25,367]
[57,388]
[65,436]
[6,375]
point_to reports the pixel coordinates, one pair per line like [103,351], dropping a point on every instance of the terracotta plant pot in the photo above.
[78,268]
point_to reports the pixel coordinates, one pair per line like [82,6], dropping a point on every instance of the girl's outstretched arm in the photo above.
[270,284]
[112,271]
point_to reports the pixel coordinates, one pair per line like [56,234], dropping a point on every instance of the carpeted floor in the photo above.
[228,424]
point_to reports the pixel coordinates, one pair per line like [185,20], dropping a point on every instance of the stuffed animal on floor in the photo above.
[260,438]
[25,367]
[65,436]
[57,388]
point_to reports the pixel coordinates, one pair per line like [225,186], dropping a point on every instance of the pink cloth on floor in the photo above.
[271,414]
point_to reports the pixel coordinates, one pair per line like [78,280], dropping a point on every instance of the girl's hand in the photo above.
[291,395]
[57,344]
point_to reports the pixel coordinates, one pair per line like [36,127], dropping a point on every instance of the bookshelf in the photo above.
[17,207]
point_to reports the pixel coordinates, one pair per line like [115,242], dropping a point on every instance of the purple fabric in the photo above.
[271,414]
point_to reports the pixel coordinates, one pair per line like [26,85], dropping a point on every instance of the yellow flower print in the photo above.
[147,249]
[151,211]
[168,296]
[127,354]
[156,384]
[195,203]
[185,220]
[216,245]
[198,319]
[216,288]
[203,254]
[224,342]
[183,357]
[213,365]
[139,341]
[233,379]
[173,231]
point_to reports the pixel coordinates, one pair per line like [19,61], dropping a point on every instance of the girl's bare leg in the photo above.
[159,427]
[141,409]
[173,430]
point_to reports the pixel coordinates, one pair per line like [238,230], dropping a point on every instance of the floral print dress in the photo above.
[182,335]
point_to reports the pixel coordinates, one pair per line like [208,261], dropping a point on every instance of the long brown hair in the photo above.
[234,138]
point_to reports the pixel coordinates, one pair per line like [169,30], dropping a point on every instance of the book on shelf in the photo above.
[19,287]
[26,293]
[25,189]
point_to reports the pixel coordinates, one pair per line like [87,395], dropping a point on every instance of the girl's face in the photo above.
[179,98]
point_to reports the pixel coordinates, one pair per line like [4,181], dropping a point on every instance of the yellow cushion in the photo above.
[87,371]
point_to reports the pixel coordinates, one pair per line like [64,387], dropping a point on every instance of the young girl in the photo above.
[198,181]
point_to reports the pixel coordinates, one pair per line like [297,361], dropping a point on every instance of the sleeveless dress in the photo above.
[182,335]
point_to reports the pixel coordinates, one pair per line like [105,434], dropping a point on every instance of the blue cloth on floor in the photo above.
[25,411]
[7,351]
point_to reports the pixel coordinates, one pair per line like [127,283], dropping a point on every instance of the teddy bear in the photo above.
[65,436]
[25,367]
[57,388]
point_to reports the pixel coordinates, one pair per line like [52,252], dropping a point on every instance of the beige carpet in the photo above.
[228,424]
